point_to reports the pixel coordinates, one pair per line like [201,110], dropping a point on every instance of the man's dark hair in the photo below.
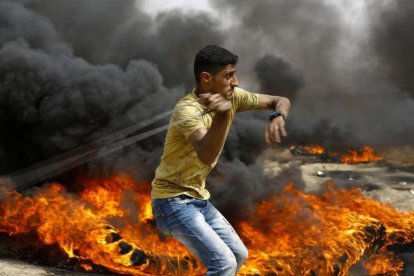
[211,59]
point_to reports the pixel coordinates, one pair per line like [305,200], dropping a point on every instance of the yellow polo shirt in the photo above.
[180,171]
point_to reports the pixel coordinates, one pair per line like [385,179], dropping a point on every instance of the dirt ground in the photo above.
[390,181]
[10,267]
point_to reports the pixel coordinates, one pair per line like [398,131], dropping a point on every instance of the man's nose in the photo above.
[234,81]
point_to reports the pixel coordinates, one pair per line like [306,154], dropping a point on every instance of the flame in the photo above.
[318,149]
[314,149]
[291,233]
[352,156]
[109,223]
[298,234]
[365,154]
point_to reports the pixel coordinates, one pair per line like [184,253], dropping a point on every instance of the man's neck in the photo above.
[199,90]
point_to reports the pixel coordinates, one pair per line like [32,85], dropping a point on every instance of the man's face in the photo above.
[224,81]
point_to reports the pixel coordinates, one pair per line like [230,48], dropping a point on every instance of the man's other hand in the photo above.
[275,130]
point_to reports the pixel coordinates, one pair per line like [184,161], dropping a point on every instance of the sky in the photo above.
[156,6]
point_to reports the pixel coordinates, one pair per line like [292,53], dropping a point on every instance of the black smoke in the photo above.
[393,40]
[118,31]
[342,83]
[277,77]
[53,101]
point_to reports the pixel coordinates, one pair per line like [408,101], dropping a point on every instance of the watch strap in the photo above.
[275,114]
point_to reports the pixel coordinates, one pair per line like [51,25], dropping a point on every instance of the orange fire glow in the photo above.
[352,156]
[315,149]
[107,217]
[318,149]
[291,233]
[365,154]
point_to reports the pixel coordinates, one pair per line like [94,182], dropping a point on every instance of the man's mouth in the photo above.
[230,93]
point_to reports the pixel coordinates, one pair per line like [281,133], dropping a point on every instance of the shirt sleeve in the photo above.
[245,100]
[188,119]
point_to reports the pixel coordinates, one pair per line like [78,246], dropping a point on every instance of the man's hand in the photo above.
[215,102]
[275,130]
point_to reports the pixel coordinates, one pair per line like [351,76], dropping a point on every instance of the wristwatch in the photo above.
[275,114]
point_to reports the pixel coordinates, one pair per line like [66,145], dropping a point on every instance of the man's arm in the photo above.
[208,143]
[275,103]
[276,128]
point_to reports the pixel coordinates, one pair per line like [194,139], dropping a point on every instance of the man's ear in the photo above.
[205,77]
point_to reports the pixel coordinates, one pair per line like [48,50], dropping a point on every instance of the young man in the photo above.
[196,135]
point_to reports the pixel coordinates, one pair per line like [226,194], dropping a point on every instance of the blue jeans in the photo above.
[199,226]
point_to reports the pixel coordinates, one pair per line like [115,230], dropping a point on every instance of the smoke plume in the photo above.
[53,101]
[338,74]
[393,41]
[277,77]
